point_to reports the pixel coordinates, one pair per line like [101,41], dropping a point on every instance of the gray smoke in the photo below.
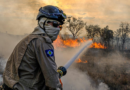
[7,43]
[19,16]
[77,80]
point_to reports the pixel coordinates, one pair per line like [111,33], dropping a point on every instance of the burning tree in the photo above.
[75,26]
[65,35]
[105,34]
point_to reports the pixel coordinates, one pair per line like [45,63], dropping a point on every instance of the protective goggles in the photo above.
[54,23]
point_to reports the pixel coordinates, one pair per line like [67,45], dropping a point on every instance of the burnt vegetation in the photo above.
[110,67]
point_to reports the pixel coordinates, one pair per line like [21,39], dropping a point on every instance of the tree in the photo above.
[65,35]
[92,31]
[75,26]
[107,35]
[124,32]
[117,37]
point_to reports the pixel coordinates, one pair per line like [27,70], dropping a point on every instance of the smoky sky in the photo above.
[19,16]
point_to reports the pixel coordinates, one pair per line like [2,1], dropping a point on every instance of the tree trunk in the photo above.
[118,43]
[123,42]
[74,37]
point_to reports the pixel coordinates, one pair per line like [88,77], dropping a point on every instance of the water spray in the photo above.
[67,65]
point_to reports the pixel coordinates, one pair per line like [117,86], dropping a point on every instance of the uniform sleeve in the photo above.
[46,60]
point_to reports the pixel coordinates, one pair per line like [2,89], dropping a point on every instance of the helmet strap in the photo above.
[44,25]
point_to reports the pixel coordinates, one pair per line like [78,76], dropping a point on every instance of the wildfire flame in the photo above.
[80,61]
[97,45]
[67,43]
[74,43]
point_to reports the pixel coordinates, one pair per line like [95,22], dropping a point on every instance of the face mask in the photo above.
[52,32]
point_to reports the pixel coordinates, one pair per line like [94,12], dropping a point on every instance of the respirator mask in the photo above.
[51,27]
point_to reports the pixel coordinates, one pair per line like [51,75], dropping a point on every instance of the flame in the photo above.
[74,43]
[80,61]
[68,43]
[97,45]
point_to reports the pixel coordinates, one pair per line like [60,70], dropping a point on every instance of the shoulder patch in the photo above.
[49,52]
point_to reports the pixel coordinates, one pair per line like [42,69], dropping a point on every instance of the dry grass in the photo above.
[108,67]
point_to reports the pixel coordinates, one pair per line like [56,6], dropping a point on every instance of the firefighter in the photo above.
[31,65]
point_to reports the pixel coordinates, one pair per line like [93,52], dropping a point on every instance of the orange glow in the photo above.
[80,61]
[68,43]
[60,43]
[97,45]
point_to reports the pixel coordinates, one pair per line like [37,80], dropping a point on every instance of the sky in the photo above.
[19,16]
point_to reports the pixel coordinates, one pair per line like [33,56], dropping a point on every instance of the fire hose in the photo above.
[63,69]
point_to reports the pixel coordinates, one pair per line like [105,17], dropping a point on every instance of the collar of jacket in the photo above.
[39,30]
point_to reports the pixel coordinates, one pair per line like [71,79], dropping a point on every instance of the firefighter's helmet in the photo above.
[52,12]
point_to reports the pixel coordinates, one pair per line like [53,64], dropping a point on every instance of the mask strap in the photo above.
[43,25]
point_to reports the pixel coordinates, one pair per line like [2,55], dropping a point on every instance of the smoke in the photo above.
[78,80]
[115,62]
[108,66]
[19,16]
[7,43]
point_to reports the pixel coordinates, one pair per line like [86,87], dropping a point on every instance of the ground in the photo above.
[108,66]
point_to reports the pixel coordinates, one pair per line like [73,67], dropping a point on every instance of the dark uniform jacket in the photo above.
[31,65]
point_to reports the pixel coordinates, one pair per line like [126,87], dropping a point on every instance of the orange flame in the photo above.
[97,45]
[80,61]
[74,43]
[68,43]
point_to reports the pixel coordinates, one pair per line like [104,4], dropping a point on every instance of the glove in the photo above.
[62,71]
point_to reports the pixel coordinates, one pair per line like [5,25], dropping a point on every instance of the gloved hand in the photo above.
[62,71]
